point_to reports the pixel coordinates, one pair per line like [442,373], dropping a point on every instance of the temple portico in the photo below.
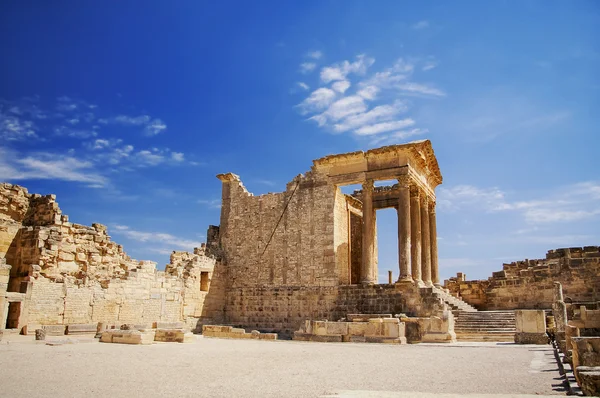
[415,170]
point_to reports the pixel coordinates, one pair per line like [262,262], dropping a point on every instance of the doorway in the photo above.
[14,313]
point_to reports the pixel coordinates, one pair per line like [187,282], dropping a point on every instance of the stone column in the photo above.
[415,235]
[404,231]
[425,242]
[368,234]
[435,272]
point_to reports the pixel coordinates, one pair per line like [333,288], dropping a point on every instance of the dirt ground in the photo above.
[249,368]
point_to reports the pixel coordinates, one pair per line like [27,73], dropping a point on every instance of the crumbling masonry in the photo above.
[275,261]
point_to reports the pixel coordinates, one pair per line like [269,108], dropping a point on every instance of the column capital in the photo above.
[425,200]
[414,191]
[432,206]
[404,180]
[368,185]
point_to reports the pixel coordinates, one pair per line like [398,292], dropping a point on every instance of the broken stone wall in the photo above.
[67,273]
[265,243]
[529,284]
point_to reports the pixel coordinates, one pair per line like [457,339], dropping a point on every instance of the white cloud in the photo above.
[429,65]
[363,111]
[307,67]
[82,133]
[340,71]
[47,166]
[155,237]
[342,108]
[377,114]
[341,86]
[303,85]
[148,158]
[155,127]
[368,92]
[385,126]
[420,89]
[14,128]
[420,25]
[397,137]
[131,120]
[177,156]
[318,100]
[213,203]
[570,203]
[468,195]
[314,54]
[151,126]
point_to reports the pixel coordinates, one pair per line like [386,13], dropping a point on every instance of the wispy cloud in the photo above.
[211,203]
[314,54]
[343,69]
[155,237]
[307,67]
[570,203]
[151,126]
[48,166]
[349,100]
[303,85]
[420,25]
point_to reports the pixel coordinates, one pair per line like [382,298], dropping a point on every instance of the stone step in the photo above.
[486,337]
[475,323]
[477,330]
[486,321]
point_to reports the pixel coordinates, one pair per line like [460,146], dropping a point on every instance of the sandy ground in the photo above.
[247,368]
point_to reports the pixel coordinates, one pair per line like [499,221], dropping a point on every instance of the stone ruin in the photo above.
[529,284]
[54,272]
[300,263]
[275,261]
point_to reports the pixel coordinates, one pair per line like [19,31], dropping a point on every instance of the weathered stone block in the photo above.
[91,328]
[174,336]
[54,330]
[337,328]
[128,337]
[530,321]
[589,380]
[531,338]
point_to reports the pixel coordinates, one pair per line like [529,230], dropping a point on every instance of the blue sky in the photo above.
[128,111]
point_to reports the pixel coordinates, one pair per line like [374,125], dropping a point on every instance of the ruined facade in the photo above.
[529,284]
[275,261]
[54,272]
[310,252]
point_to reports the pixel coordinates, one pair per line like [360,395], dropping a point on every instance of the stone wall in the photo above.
[67,273]
[284,239]
[529,284]
[284,309]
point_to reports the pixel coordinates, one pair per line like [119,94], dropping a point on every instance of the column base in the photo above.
[428,283]
[419,283]
[405,280]
[366,283]
[437,284]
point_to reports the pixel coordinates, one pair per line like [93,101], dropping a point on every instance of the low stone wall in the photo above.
[229,332]
[285,308]
[376,330]
[529,284]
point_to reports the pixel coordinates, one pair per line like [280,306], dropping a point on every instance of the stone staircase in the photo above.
[453,302]
[473,325]
[485,325]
